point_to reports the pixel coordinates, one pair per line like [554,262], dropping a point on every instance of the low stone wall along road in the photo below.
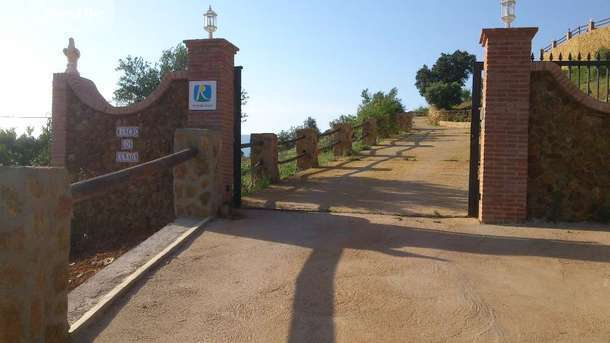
[421,173]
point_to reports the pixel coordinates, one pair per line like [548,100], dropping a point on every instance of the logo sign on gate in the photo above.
[202,95]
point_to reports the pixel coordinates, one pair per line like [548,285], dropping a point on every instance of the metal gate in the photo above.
[475,130]
[237,137]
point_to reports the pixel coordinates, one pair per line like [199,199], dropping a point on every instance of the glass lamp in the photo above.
[210,22]
[508,12]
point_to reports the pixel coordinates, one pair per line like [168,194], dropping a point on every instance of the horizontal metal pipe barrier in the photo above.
[332,145]
[85,189]
[249,145]
[328,133]
[291,141]
[292,159]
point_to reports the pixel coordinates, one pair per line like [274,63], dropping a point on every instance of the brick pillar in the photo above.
[196,192]
[58,124]
[369,131]
[35,212]
[309,146]
[504,129]
[264,149]
[344,139]
[213,60]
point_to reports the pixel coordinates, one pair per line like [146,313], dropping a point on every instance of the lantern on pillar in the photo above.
[508,12]
[210,22]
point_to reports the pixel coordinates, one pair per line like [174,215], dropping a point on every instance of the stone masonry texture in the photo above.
[87,144]
[504,130]
[404,121]
[196,192]
[569,155]
[35,211]
[264,150]
[213,60]
[309,146]
[369,131]
[344,139]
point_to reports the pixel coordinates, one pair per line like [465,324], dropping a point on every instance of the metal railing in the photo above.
[292,159]
[249,145]
[577,32]
[590,74]
[328,133]
[98,185]
[291,141]
[330,146]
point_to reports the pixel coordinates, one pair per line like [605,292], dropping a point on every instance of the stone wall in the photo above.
[35,211]
[569,151]
[85,142]
[587,43]
[197,194]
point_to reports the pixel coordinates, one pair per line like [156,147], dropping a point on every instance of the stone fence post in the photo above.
[309,146]
[197,192]
[263,157]
[35,212]
[405,121]
[369,131]
[343,138]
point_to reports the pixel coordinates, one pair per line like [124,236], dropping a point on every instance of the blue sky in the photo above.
[300,58]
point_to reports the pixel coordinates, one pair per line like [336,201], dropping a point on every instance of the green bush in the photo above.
[383,107]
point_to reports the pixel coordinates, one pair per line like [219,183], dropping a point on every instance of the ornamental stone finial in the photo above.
[72,53]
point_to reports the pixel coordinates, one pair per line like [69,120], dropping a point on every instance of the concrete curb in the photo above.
[109,298]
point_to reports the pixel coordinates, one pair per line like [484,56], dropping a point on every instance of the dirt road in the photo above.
[320,277]
[327,277]
[422,173]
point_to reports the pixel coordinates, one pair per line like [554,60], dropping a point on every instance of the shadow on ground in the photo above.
[403,176]
[328,236]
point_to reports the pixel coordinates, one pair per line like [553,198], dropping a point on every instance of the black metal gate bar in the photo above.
[237,136]
[475,130]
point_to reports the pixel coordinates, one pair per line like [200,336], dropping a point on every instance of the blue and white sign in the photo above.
[202,95]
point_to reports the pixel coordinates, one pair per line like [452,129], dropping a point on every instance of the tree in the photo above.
[139,78]
[423,78]
[448,71]
[344,119]
[25,150]
[454,67]
[444,95]
[383,107]
[310,123]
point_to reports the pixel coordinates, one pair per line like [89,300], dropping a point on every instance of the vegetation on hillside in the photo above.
[586,79]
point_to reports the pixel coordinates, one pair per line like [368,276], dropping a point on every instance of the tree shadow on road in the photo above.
[328,236]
